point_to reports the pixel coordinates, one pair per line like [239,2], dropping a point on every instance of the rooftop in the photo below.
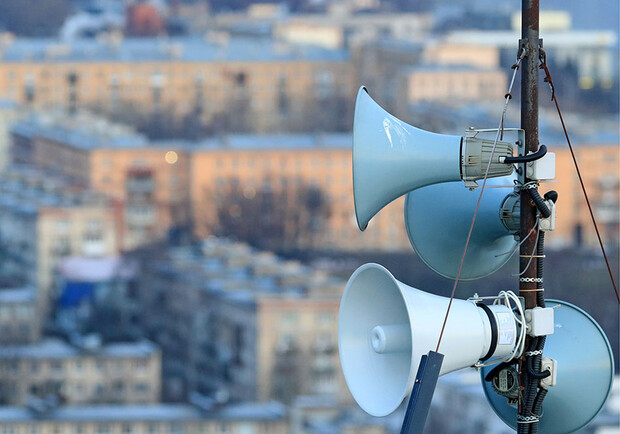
[190,49]
[83,131]
[25,190]
[235,272]
[147,412]
[559,39]
[431,67]
[88,132]
[52,348]
[17,295]
[277,141]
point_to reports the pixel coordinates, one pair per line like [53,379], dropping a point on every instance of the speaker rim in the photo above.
[354,154]
[406,390]
[512,423]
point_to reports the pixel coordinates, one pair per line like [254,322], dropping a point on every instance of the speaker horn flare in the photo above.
[391,158]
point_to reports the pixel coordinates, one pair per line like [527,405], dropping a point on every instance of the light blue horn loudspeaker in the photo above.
[585,370]
[391,158]
[438,218]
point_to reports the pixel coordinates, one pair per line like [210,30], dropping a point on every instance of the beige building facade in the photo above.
[269,418]
[451,84]
[228,84]
[281,163]
[115,373]
[600,168]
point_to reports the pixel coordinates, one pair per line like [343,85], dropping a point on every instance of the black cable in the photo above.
[537,408]
[534,371]
[527,158]
[540,202]
[551,195]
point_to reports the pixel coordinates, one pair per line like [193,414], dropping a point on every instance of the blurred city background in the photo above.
[176,207]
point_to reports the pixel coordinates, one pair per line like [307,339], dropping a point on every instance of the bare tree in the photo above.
[276,219]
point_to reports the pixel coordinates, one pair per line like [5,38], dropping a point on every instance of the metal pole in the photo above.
[529,122]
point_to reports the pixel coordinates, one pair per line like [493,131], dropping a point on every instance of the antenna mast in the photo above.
[528,278]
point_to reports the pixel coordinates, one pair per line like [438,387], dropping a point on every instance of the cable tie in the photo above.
[532,290]
[532,256]
[529,186]
[533,353]
[527,419]
[531,279]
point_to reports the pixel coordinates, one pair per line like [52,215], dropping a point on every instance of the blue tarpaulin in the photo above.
[75,292]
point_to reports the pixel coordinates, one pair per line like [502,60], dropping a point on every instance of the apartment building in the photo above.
[228,84]
[287,163]
[240,324]
[44,218]
[19,319]
[127,373]
[145,183]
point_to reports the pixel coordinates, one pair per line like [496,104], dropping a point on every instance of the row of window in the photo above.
[322,77]
[253,161]
[16,311]
[77,365]
[126,428]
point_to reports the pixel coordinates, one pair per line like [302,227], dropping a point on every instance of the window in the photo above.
[141,388]
[289,318]
[102,429]
[23,312]
[141,364]
[56,366]
[94,225]
[62,225]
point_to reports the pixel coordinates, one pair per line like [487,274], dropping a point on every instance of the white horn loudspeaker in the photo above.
[391,158]
[385,326]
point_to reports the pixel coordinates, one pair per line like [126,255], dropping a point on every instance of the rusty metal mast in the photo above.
[529,123]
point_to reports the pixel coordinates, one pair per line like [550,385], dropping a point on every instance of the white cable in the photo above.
[533,254]
[522,241]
